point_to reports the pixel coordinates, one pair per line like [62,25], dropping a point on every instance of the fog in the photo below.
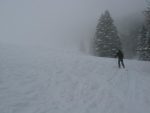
[58,23]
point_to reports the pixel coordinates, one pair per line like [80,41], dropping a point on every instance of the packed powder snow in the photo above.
[53,81]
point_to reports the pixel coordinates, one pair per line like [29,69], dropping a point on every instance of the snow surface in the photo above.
[54,81]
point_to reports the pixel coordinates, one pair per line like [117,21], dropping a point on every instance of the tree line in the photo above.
[107,41]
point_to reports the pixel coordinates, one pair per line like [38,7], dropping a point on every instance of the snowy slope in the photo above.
[50,81]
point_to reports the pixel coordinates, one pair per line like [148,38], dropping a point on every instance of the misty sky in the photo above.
[44,22]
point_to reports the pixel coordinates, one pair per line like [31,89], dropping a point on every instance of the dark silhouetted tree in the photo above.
[106,41]
[143,46]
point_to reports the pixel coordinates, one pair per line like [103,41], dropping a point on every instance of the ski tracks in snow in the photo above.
[62,83]
[128,86]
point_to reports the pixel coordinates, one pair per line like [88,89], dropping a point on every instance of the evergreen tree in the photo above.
[147,48]
[143,47]
[142,43]
[106,40]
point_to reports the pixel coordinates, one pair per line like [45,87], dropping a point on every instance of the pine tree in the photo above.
[142,43]
[106,41]
[147,48]
[143,46]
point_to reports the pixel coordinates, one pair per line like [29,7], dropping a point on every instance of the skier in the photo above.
[120,58]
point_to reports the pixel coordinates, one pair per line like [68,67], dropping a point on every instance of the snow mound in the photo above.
[50,81]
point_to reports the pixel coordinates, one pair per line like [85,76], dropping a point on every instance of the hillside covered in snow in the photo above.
[53,81]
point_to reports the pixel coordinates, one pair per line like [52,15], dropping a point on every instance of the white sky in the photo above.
[45,22]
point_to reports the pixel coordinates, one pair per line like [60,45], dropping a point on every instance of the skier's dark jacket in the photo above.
[119,55]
